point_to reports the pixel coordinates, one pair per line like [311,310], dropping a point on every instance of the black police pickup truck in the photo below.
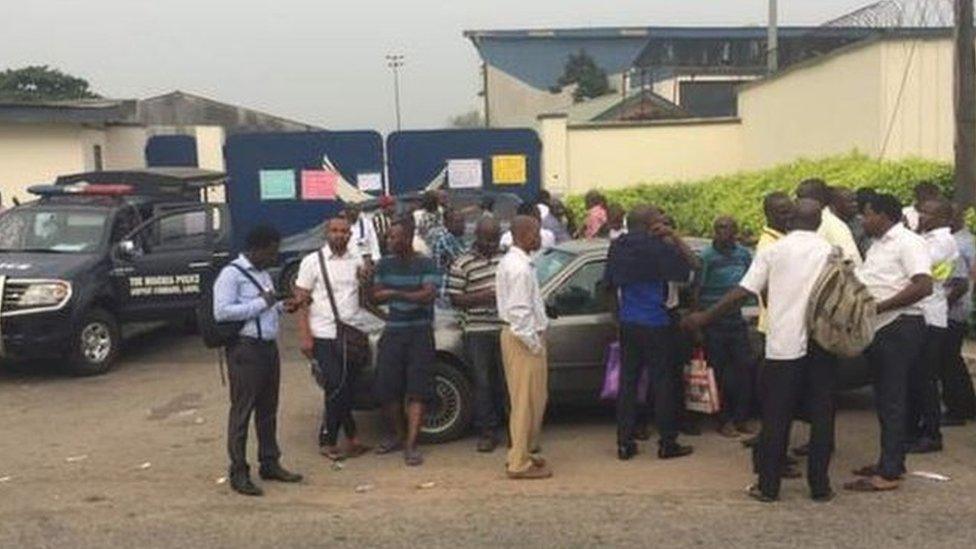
[102,251]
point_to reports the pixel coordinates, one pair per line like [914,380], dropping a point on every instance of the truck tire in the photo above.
[450,410]
[96,344]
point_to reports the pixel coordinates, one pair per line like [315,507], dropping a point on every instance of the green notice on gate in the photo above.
[277,184]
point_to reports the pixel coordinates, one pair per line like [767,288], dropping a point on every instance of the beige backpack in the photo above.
[841,314]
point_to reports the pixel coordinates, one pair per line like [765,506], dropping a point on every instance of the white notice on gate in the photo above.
[369,181]
[464,173]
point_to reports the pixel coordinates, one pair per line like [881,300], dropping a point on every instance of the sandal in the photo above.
[869,485]
[755,493]
[332,452]
[389,446]
[871,471]
[413,458]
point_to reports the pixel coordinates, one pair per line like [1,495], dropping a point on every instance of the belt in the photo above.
[255,341]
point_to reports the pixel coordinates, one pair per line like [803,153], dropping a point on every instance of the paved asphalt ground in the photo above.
[133,458]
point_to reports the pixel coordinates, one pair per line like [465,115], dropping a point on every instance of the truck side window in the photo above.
[127,220]
[182,231]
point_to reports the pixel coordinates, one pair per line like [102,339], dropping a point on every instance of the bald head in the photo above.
[808,214]
[487,234]
[525,233]
[641,218]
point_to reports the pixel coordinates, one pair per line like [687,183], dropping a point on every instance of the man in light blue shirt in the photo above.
[244,292]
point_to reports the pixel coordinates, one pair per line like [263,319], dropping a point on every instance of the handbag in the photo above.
[353,341]
[701,389]
[611,377]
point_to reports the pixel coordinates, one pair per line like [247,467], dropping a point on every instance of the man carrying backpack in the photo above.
[796,366]
[897,272]
[244,293]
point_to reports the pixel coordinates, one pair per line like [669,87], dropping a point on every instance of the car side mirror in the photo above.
[552,311]
[125,249]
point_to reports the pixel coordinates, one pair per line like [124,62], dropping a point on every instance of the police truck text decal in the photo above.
[164,285]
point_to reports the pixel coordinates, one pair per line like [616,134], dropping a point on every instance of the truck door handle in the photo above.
[199,264]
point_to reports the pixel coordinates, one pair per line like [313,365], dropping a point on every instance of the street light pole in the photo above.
[772,39]
[395,62]
[964,88]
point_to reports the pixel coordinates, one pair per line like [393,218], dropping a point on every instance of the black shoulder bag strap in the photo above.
[261,289]
[338,323]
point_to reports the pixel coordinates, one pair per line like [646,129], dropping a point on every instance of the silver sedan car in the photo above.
[581,327]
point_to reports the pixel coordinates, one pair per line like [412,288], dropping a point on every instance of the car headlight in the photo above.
[44,293]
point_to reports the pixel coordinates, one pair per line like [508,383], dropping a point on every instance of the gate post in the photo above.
[553,132]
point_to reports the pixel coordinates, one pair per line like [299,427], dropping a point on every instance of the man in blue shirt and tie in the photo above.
[244,292]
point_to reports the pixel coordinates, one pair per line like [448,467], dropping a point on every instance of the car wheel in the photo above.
[96,344]
[450,410]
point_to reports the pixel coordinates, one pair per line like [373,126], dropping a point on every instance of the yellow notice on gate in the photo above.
[508,169]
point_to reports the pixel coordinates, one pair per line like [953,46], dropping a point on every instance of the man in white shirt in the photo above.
[957,384]
[523,343]
[832,228]
[547,239]
[362,240]
[796,368]
[897,272]
[318,331]
[925,408]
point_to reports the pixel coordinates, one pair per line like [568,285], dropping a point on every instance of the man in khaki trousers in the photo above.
[523,344]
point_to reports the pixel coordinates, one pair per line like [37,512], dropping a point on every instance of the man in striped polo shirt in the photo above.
[471,286]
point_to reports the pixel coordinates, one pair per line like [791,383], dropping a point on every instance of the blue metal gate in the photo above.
[270,175]
[417,157]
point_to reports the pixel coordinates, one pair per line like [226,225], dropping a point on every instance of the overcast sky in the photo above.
[322,61]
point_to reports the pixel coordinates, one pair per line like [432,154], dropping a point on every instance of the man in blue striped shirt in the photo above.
[244,292]
[408,283]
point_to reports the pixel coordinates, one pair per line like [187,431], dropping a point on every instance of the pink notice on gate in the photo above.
[319,184]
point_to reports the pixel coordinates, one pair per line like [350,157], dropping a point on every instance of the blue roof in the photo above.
[537,56]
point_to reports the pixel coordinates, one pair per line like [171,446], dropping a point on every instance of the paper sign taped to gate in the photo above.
[464,173]
[508,169]
[369,181]
[277,184]
[319,184]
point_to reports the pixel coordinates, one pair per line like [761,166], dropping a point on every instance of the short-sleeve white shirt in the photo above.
[891,263]
[788,271]
[943,251]
[345,284]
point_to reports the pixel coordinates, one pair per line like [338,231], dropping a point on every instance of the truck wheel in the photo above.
[451,408]
[96,344]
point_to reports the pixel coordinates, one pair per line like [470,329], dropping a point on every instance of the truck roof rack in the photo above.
[186,182]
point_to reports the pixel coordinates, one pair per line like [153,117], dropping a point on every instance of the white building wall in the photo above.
[31,154]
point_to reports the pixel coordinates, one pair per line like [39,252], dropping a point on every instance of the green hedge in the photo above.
[695,205]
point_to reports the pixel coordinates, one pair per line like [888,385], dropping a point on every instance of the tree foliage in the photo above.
[42,83]
[695,205]
[591,81]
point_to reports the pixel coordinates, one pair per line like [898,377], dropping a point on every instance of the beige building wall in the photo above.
[513,103]
[916,99]
[126,147]
[619,155]
[32,154]
[829,108]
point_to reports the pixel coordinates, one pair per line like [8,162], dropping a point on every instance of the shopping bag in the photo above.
[611,376]
[701,389]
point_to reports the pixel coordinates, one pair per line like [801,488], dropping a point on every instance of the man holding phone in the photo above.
[244,292]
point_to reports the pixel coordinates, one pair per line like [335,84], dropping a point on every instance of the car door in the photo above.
[580,329]
[161,266]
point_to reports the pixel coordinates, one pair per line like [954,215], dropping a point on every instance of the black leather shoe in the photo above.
[242,485]
[487,442]
[924,446]
[823,497]
[279,473]
[673,450]
[626,451]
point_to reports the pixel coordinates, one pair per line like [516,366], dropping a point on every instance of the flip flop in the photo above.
[413,458]
[866,471]
[388,447]
[866,485]
[755,493]
[332,454]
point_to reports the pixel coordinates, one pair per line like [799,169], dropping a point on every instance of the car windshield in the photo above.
[551,263]
[62,230]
